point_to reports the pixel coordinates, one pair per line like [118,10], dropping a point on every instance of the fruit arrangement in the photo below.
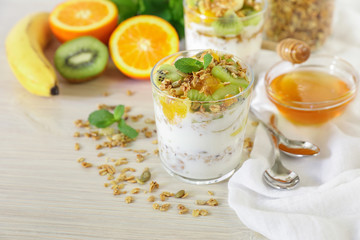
[86,28]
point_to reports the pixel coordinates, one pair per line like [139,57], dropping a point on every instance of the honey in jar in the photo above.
[309,96]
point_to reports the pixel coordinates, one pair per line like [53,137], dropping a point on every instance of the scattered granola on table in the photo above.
[77,146]
[129,199]
[86,164]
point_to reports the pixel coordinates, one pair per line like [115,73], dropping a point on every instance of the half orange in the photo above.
[139,42]
[76,18]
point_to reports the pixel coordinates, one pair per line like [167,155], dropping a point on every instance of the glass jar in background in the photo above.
[234,26]
[306,20]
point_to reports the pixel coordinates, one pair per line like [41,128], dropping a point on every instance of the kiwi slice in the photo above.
[223,75]
[167,71]
[81,59]
[195,95]
[230,24]
[223,91]
[252,20]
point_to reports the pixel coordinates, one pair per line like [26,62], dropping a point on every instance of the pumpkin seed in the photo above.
[180,193]
[144,177]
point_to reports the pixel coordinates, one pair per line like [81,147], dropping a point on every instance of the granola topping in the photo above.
[219,8]
[204,83]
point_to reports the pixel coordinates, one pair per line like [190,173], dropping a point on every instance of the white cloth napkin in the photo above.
[326,204]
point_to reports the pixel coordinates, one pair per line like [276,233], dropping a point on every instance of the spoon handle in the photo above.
[276,133]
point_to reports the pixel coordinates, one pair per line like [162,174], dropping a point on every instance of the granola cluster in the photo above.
[218,8]
[203,80]
[306,20]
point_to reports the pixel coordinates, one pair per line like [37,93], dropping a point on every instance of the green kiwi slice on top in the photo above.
[223,75]
[195,95]
[229,24]
[222,92]
[167,71]
[81,59]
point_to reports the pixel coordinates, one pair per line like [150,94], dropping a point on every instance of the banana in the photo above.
[25,53]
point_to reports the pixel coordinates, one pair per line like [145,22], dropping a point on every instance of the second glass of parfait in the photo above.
[230,26]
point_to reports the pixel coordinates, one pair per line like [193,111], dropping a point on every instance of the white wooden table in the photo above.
[46,194]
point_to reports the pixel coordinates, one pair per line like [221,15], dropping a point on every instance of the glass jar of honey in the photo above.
[312,92]
[306,20]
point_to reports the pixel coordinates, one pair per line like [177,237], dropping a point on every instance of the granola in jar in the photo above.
[306,20]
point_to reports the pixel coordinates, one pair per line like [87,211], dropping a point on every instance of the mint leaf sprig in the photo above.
[170,10]
[189,65]
[103,118]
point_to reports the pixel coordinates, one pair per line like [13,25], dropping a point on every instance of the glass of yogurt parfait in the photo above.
[233,26]
[201,102]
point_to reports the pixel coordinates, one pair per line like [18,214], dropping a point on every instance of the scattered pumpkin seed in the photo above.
[144,177]
[180,194]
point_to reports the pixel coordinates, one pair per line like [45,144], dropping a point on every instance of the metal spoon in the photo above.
[278,176]
[293,148]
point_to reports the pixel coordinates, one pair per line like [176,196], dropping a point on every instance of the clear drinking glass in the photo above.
[242,37]
[200,142]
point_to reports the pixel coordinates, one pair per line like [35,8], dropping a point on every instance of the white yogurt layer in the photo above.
[199,36]
[202,145]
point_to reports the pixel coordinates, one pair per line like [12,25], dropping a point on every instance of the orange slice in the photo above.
[76,18]
[174,109]
[139,42]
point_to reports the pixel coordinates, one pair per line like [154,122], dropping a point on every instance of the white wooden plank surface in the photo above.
[46,194]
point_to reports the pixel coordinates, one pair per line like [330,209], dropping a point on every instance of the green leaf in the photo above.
[101,118]
[126,8]
[118,112]
[188,65]
[207,60]
[177,9]
[158,8]
[126,129]
[170,10]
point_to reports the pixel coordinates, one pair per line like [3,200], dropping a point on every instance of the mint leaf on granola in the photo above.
[207,60]
[188,65]
[118,112]
[101,118]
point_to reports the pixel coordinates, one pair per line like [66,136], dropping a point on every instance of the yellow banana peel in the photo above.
[25,53]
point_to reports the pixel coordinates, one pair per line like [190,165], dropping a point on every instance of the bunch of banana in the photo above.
[25,52]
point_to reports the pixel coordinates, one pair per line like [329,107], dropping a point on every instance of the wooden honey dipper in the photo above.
[289,49]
